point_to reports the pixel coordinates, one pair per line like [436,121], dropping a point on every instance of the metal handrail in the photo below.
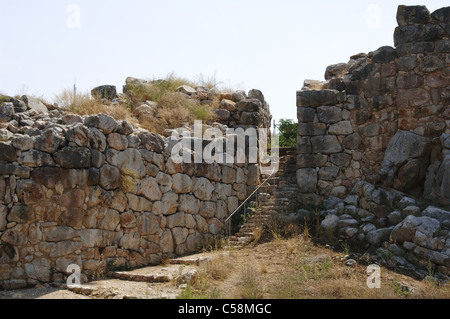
[248,198]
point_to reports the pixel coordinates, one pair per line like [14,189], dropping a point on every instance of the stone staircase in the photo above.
[277,197]
[156,282]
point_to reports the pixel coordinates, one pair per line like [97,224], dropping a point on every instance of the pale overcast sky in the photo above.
[270,45]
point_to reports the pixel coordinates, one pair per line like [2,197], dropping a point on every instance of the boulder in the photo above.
[35,104]
[152,142]
[336,71]
[182,184]
[316,98]
[376,237]
[49,141]
[327,144]
[108,92]
[34,158]
[384,54]
[406,230]
[107,124]
[329,114]
[79,134]
[22,142]
[203,189]
[6,112]
[407,15]
[330,223]
[7,153]
[73,157]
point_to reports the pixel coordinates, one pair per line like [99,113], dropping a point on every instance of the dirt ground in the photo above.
[280,269]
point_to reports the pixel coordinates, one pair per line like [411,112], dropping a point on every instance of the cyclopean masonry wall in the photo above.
[374,142]
[382,117]
[94,191]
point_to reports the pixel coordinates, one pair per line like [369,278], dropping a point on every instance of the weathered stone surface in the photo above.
[431,63]
[79,134]
[328,173]
[404,146]
[168,204]
[341,128]
[130,241]
[336,71]
[306,114]
[7,153]
[249,105]
[437,213]
[180,235]
[353,142]
[376,237]
[307,180]
[311,129]
[330,223]
[108,92]
[249,118]
[329,114]
[97,139]
[407,63]
[167,243]
[39,269]
[74,198]
[150,189]
[59,233]
[34,158]
[35,104]
[73,157]
[138,204]
[203,189]
[311,160]
[6,112]
[384,54]
[207,209]
[49,141]
[107,124]
[110,177]
[182,184]
[189,204]
[22,142]
[176,220]
[152,142]
[406,230]
[11,169]
[148,224]
[327,144]
[412,15]
[117,141]
[130,162]
[316,98]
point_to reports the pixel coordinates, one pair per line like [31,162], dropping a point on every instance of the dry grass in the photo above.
[83,104]
[295,268]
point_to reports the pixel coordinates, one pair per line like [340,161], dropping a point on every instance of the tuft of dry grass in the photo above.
[250,285]
[83,104]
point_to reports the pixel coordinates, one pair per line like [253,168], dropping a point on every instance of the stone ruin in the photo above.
[377,133]
[372,158]
[96,192]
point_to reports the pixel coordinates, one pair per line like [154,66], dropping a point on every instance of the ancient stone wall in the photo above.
[101,193]
[382,117]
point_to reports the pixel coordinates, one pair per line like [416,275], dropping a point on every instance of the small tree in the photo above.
[288,133]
